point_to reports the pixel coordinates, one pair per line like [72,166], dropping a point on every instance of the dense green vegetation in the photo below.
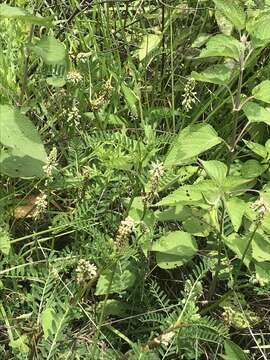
[135,181]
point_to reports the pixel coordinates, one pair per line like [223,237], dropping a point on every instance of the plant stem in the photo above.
[220,242]
[26,65]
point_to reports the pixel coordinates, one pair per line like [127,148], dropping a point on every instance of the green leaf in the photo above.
[197,225]
[216,74]
[224,46]
[263,273]
[234,183]
[258,149]
[252,169]
[185,195]
[51,50]
[150,42]
[25,155]
[236,208]
[217,170]
[116,280]
[256,113]
[233,10]
[179,212]
[258,27]
[233,352]
[238,245]
[56,81]
[11,12]
[262,91]
[4,241]
[260,248]
[200,40]
[225,26]
[174,249]
[192,141]
[267,147]
[48,317]
[113,307]
[20,345]
[131,99]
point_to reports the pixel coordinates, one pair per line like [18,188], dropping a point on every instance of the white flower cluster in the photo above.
[74,76]
[126,228]
[41,204]
[156,172]
[189,96]
[85,271]
[73,115]
[51,162]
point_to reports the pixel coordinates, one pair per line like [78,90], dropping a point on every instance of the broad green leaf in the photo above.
[258,27]
[11,12]
[4,241]
[116,280]
[131,99]
[179,212]
[236,208]
[48,318]
[256,113]
[225,26]
[252,169]
[224,46]
[200,40]
[233,352]
[261,248]
[56,81]
[233,10]
[210,190]
[195,221]
[25,155]
[113,307]
[258,149]
[150,42]
[262,91]
[51,50]
[185,195]
[235,183]
[238,244]
[217,170]
[263,273]
[267,147]
[216,74]
[18,164]
[20,345]
[174,249]
[197,226]
[192,141]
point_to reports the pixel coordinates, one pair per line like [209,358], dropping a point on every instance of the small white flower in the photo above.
[41,204]
[126,228]
[74,76]
[51,162]
[85,271]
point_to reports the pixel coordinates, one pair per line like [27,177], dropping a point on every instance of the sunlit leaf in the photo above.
[222,46]
[25,155]
[216,74]
[236,208]
[51,50]
[233,10]
[262,91]
[192,141]
[174,249]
